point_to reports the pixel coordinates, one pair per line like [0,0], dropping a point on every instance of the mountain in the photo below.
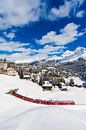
[68,56]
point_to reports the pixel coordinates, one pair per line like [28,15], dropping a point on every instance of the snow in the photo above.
[69,56]
[16,114]
[77,80]
[47,84]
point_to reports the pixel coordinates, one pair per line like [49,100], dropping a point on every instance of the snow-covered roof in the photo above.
[26,75]
[44,70]
[47,84]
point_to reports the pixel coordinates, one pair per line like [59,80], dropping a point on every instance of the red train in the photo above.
[39,101]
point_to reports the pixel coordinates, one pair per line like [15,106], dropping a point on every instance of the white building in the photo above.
[11,72]
[47,86]
[44,71]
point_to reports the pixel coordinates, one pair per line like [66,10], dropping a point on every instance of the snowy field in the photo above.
[16,114]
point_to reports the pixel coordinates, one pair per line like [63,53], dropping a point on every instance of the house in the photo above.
[44,71]
[10,64]
[3,65]
[84,85]
[33,77]
[9,68]
[27,76]
[47,86]
[11,71]
[63,87]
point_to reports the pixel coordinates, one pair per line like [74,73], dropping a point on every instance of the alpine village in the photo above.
[48,74]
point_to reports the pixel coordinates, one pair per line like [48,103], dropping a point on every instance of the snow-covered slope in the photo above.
[20,115]
[79,52]
[75,79]
[23,116]
[30,89]
[25,87]
[16,114]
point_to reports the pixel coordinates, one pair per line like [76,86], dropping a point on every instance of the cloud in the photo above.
[14,56]
[80,14]
[19,12]
[10,35]
[67,35]
[13,46]
[45,52]
[65,9]
[20,51]
[49,49]
[16,51]
[22,12]
[2,40]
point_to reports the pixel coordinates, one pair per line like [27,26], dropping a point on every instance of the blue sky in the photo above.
[41,29]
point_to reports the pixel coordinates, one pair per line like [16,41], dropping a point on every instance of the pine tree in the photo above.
[21,73]
[71,83]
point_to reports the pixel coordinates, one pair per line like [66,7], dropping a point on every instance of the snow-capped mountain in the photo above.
[68,56]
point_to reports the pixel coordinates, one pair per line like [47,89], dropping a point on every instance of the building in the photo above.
[38,77]
[11,71]
[44,71]
[84,85]
[27,76]
[47,86]
[7,65]
[10,64]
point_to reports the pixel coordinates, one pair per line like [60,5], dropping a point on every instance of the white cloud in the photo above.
[80,14]
[19,51]
[22,51]
[15,50]
[2,40]
[10,35]
[48,38]
[14,56]
[46,51]
[19,12]
[49,49]
[22,12]
[67,35]
[13,46]
[23,57]
[65,9]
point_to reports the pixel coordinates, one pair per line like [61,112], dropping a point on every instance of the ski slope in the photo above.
[16,114]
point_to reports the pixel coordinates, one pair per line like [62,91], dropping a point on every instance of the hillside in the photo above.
[22,115]
[75,67]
